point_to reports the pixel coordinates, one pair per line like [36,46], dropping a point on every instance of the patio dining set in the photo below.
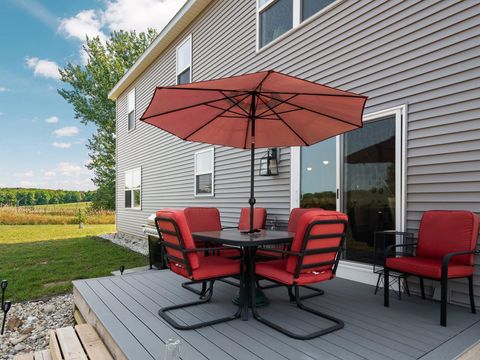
[265,110]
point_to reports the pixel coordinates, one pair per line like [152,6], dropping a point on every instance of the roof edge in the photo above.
[190,10]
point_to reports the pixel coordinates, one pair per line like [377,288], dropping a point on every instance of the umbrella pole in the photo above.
[252,200]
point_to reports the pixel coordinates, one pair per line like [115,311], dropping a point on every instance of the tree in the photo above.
[87,91]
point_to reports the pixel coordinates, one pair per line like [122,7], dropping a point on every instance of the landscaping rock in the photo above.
[130,242]
[13,322]
[30,322]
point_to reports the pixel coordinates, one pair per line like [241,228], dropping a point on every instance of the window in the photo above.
[204,172]
[276,17]
[311,7]
[133,189]
[131,110]
[184,61]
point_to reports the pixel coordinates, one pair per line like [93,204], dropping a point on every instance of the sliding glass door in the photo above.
[358,173]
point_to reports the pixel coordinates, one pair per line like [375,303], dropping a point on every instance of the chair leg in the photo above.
[405,284]
[422,288]
[443,300]
[472,297]
[188,286]
[206,298]
[338,323]
[386,288]
[318,292]
[378,283]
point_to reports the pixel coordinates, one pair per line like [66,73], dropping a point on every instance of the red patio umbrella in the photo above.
[259,110]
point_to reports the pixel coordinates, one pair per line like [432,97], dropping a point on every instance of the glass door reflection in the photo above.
[369,182]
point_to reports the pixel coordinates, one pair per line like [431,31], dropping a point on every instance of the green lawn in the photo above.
[42,260]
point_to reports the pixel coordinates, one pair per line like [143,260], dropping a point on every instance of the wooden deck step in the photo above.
[42,355]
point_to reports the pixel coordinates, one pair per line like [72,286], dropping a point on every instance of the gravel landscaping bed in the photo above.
[130,242]
[28,324]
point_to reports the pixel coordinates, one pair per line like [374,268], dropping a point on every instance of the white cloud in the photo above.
[26,174]
[28,184]
[49,173]
[52,120]
[38,11]
[66,131]
[3,89]
[85,23]
[139,15]
[43,67]
[61,145]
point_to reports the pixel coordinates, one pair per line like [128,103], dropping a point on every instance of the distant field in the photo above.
[43,260]
[57,214]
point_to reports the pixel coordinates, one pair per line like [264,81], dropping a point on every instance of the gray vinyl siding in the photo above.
[422,54]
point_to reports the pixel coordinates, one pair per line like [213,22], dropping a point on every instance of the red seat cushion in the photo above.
[203,219]
[228,253]
[276,270]
[166,224]
[216,266]
[443,232]
[428,267]
[265,253]
[295,216]
[305,220]
[259,218]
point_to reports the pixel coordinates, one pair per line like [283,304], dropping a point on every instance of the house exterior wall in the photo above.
[422,54]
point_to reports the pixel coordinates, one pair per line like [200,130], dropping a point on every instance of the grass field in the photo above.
[54,214]
[42,260]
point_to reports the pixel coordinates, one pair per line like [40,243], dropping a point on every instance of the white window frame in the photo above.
[131,93]
[132,202]
[177,70]
[195,173]
[297,19]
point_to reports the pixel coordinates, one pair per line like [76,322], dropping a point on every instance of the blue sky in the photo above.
[41,143]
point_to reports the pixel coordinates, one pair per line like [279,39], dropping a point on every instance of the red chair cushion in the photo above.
[265,253]
[216,266]
[203,219]
[259,218]
[178,217]
[427,267]
[295,216]
[276,270]
[303,223]
[228,253]
[443,232]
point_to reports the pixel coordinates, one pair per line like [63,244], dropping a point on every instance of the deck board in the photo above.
[127,306]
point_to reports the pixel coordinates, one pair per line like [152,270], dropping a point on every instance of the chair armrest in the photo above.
[389,248]
[446,259]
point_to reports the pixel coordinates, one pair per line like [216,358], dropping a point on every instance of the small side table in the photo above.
[381,240]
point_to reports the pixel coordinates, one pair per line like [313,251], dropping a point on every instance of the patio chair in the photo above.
[444,250]
[259,219]
[201,219]
[187,260]
[313,258]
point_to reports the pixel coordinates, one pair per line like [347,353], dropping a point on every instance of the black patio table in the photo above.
[249,242]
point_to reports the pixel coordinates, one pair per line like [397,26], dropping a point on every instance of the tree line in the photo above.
[30,197]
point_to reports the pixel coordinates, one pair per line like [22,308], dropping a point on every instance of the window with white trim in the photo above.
[204,172]
[133,189]
[184,61]
[276,17]
[131,109]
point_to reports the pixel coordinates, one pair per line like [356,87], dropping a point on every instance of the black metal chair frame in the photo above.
[294,290]
[206,292]
[443,281]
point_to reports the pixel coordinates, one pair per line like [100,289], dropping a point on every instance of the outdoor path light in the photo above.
[3,285]
[5,307]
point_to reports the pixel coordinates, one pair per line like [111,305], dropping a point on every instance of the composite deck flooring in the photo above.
[127,307]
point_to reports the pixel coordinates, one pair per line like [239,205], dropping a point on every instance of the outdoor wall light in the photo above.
[269,163]
[5,307]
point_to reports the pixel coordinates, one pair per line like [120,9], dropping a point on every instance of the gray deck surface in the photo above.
[127,306]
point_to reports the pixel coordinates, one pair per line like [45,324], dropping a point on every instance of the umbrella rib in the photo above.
[314,111]
[276,105]
[260,84]
[207,103]
[220,108]
[241,108]
[215,117]
[291,129]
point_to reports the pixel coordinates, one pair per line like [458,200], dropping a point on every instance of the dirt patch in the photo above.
[56,283]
